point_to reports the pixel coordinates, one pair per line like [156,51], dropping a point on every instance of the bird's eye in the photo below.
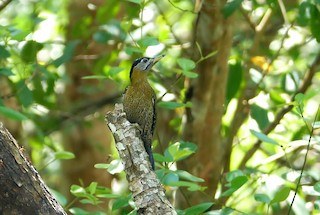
[144,60]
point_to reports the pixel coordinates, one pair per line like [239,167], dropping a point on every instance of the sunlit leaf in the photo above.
[64,155]
[92,187]
[263,137]
[77,190]
[281,195]
[181,150]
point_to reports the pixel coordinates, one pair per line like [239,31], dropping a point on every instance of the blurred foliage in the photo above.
[34,51]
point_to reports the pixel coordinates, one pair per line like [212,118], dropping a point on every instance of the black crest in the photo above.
[136,62]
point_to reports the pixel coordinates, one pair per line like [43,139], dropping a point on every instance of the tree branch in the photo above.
[147,191]
[22,189]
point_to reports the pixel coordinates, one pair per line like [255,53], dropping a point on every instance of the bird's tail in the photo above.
[147,142]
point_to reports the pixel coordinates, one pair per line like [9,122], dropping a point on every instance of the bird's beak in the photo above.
[156,59]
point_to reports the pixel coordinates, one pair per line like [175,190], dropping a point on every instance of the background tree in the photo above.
[238,99]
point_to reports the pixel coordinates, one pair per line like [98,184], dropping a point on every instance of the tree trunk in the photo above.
[22,189]
[207,93]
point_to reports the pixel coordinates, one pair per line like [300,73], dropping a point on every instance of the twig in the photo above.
[4,4]
[305,157]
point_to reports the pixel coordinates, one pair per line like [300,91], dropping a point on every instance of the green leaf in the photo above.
[24,95]
[114,71]
[78,191]
[172,105]
[234,174]
[67,53]
[79,211]
[170,178]
[303,14]
[263,137]
[92,187]
[101,165]
[236,183]
[114,167]
[262,198]
[135,1]
[230,7]
[12,113]
[148,41]
[186,64]
[316,187]
[281,195]
[198,209]
[315,22]
[108,195]
[64,155]
[239,181]
[181,150]
[4,52]
[191,186]
[187,176]
[98,77]
[6,72]
[234,80]
[121,202]
[276,97]
[260,115]
[190,74]
[29,51]
[102,36]
[131,50]
[160,158]
[300,97]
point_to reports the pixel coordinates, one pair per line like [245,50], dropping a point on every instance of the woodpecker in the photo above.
[139,102]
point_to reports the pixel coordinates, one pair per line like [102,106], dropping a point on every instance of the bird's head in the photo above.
[144,64]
